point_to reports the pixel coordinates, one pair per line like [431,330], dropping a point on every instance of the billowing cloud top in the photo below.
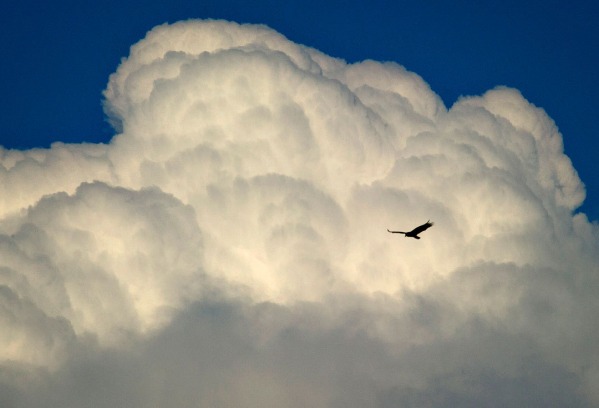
[228,247]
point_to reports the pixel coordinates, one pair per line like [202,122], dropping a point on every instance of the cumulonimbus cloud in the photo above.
[229,245]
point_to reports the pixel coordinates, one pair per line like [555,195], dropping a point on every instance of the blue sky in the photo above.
[57,56]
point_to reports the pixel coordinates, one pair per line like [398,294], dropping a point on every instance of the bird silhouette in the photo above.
[414,233]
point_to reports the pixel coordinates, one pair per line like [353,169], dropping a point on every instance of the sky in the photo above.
[195,213]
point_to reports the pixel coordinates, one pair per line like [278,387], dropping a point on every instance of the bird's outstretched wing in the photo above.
[396,232]
[422,227]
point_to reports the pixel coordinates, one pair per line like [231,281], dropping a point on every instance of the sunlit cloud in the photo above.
[228,247]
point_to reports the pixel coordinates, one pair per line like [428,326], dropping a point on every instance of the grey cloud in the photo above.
[230,354]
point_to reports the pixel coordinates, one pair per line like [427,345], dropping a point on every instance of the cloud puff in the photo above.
[228,247]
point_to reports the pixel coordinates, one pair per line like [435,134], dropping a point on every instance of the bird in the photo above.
[414,233]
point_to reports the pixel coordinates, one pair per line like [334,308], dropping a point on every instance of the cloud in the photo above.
[228,247]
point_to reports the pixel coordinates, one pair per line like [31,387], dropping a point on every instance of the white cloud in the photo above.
[228,247]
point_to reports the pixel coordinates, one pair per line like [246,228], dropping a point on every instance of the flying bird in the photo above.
[414,233]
